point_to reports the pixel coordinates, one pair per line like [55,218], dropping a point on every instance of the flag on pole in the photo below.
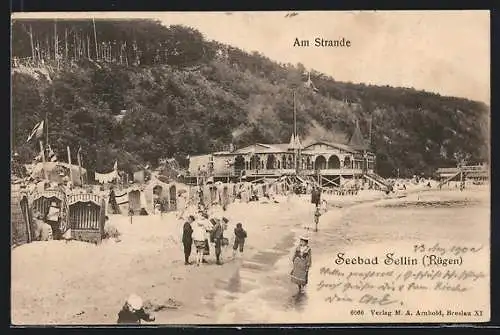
[309,83]
[51,154]
[79,156]
[37,131]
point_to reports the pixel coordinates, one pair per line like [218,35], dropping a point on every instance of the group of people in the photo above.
[202,230]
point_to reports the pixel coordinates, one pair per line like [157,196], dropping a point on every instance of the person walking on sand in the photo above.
[240,235]
[302,261]
[199,241]
[187,238]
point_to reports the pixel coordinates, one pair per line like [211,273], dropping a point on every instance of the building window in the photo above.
[320,163]
[347,162]
[334,162]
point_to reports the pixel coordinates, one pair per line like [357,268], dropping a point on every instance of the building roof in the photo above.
[284,147]
[357,141]
[263,148]
[332,144]
[447,170]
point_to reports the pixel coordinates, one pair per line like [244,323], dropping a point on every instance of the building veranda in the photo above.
[324,163]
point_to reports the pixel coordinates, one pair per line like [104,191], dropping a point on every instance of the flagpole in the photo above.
[294,116]
[70,165]
[43,160]
[295,133]
[371,123]
[78,156]
[47,126]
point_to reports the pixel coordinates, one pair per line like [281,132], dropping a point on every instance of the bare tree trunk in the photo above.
[48,47]
[95,37]
[126,55]
[55,45]
[82,41]
[38,52]
[88,47]
[66,44]
[77,45]
[75,48]
[120,57]
[32,46]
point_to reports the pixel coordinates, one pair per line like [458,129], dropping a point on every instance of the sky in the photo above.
[446,52]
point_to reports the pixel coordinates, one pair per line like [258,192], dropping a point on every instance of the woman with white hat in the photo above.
[133,311]
[301,263]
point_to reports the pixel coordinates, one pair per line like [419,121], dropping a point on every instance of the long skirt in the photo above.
[200,245]
[299,272]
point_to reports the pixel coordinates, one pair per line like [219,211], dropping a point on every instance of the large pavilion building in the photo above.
[330,164]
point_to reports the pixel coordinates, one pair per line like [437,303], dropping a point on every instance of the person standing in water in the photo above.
[317,214]
[302,261]
[239,239]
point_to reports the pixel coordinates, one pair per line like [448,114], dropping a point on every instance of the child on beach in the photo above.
[317,214]
[239,238]
[133,311]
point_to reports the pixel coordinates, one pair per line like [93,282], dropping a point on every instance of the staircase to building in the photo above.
[450,178]
[378,180]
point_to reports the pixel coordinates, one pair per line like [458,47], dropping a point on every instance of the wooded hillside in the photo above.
[145,91]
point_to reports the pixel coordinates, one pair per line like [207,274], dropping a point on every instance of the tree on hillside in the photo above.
[185,95]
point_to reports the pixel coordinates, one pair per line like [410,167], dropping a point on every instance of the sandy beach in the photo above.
[80,283]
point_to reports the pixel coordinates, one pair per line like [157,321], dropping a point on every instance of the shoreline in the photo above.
[293,306]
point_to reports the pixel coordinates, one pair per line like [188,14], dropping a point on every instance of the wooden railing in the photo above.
[280,172]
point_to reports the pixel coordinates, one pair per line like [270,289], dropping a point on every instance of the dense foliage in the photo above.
[147,91]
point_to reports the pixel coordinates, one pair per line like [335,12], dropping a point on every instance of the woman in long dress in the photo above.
[301,263]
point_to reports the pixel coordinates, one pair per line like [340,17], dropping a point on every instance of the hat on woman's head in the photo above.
[225,219]
[134,301]
[304,238]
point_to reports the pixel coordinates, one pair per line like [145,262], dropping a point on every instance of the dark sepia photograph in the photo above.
[208,168]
